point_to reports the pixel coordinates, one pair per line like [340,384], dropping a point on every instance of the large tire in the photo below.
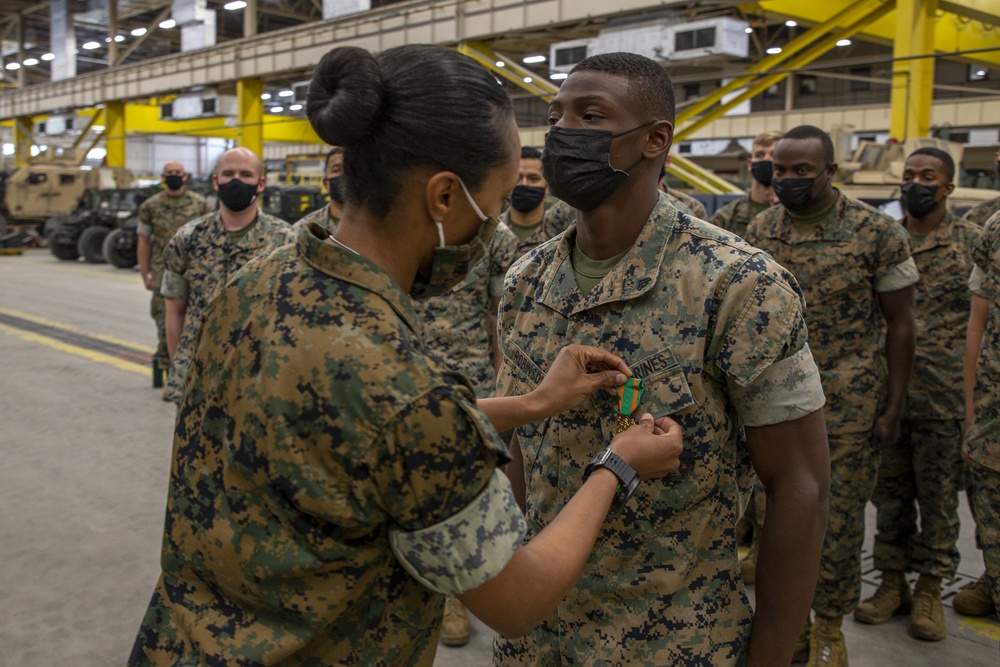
[91,244]
[64,251]
[116,255]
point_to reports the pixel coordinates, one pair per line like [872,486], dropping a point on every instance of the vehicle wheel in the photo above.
[91,244]
[64,251]
[115,255]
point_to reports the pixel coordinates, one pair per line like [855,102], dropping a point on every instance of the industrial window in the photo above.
[858,85]
[66,179]
[571,55]
[692,90]
[208,106]
[702,38]
[808,85]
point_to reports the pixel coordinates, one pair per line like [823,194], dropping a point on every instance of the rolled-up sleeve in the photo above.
[174,284]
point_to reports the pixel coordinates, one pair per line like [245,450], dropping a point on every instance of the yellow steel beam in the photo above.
[23,139]
[250,115]
[803,58]
[114,133]
[510,70]
[698,177]
[953,32]
[912,78]
[844,16]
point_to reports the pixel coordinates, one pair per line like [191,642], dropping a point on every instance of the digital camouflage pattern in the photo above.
[321,217]
[159,217]
[460,326]
[842,263]
[316,445]
[924,468]
[986,495]
[715,329]
[980,213]
[983,442]
[737,214]
[557,217]
[199,260]
[688,204]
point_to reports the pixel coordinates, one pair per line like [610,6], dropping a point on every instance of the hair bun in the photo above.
[345,96]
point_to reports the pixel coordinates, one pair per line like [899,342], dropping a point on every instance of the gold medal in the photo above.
[622,424]
[629,395]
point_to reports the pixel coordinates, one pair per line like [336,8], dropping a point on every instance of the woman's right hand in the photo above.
[652,447]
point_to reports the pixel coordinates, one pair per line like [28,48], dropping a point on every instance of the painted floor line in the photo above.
[92,355]
[7,314]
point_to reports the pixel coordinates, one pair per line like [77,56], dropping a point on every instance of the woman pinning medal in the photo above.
[331,482]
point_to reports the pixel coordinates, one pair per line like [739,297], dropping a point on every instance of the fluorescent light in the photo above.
[90,46]
[790,23]
[558,76]
[8,149]
[748,30]
[844,42]
[48,56]
[277,109]
[138,32]
[234,5]
[530,60]
[30,62]
[13,66]
[501,63]
[98,128]
[265,96]
[119,38]
[286,93]
[527,79]
[168,24]
[774,50]
[980,72]
[295,107]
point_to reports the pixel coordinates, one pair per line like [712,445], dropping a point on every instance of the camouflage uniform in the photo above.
[737,214]
[662,585]
[925,467]
[842,264]
[159,217]
[321,217]
[459,326]
[688,204]
[329,479]
[983,442]
[199,260]
[982,212]
[557,217]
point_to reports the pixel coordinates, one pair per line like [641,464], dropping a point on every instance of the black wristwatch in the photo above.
[628,479]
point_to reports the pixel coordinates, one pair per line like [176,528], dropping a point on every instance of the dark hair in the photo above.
[411,106]
[947,161]
[530,153]
[812,132]
[648,82]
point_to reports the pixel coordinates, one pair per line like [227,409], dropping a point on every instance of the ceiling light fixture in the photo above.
[774,50]
[234,5]
[844,42]
[295,107]
[48,56]
[286,93]
[531,60]
[558,76]
[30,62]
[90,46]
[790,23]
[13,66]
[265,96]
[277,109]
[501,63]
[168,24]
[138,32]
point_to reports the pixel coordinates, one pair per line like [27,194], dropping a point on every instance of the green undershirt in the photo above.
[589,272]
[237,236]
[524,233]
[756,207]
[806,224]
[917,239]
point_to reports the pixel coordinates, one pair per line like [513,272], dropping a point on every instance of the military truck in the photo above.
[85,230]
[52,184]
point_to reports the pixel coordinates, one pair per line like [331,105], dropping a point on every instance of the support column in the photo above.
[912,79]
[112,32]
[23,139]
[250,19]
[250,115]
[114,133]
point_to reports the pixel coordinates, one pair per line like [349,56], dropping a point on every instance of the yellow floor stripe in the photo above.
[66,327]
[980,626]
[117,274]
[78,351]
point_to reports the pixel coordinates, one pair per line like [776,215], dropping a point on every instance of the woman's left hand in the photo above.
[577,372]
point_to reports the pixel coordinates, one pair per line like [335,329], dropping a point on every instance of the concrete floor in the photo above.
[86,446]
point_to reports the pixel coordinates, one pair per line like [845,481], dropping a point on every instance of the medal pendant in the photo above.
[623,423]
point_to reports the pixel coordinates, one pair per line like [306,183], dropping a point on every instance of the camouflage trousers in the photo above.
[853,469]
[158,309]
[923,470]
[986,489]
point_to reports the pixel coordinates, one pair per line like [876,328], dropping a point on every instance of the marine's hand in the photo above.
[148,282]
[652,447]
[577,372]
[885,432]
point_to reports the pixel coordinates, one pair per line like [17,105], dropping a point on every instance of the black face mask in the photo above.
[919,200]
[577,165]
[336,189]
[237,195]
[174,182]
[762,172]
[795,194]
[526,198]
